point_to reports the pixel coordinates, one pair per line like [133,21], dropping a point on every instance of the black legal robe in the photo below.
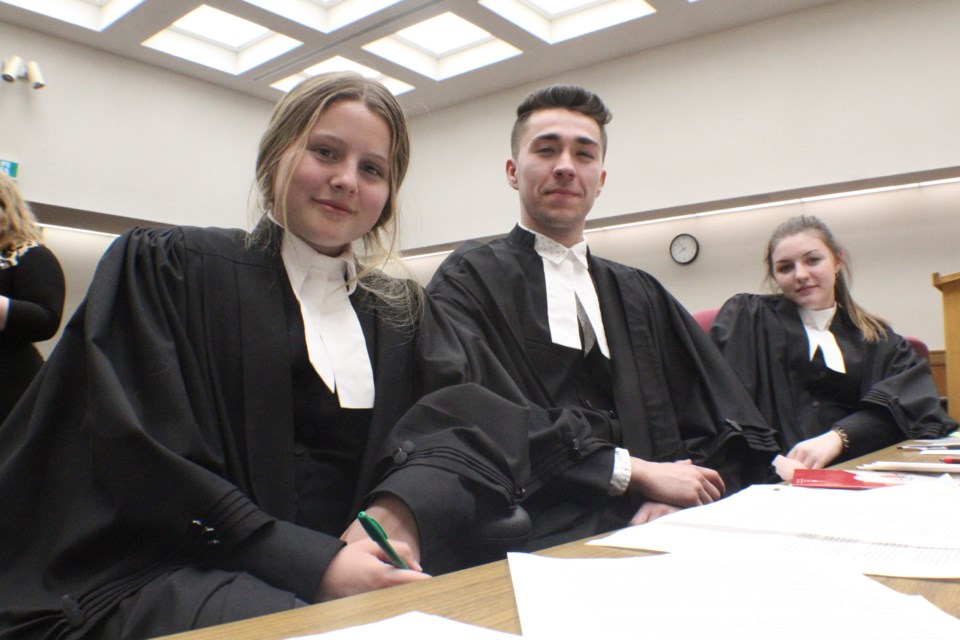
[159,439]
[675,396]
[886,395]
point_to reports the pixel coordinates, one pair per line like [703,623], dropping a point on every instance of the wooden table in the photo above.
[484,595]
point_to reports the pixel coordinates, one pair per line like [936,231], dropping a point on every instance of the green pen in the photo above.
[378,535]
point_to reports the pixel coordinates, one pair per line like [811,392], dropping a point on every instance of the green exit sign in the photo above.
[9,167]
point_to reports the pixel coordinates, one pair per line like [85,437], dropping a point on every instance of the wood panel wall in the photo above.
[938,365]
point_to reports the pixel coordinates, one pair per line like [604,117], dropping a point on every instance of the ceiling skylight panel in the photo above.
[339,63]
[557,8]
[220,27]
[442,47]
[95,15]
[220,40]
[323,15]
[444,34]
[557,20]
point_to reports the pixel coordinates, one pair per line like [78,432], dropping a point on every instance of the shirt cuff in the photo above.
[620,479]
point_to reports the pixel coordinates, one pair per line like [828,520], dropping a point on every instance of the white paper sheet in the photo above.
[866,557]
[907,531]
[925,514]
[415,624]
[922,467]
[681,597]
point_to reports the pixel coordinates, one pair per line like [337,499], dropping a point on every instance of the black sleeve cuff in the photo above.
[446,507]
[286,556]
[869,430]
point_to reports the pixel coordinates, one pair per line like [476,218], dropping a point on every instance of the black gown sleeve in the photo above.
[36,300]
[738,333]
[472,448]
[899,390]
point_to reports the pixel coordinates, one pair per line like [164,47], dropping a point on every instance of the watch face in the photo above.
[684,248]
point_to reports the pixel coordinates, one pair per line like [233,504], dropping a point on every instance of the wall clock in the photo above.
[684,248]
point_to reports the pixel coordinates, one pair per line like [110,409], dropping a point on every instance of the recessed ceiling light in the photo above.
[95,15]
[220,40]
[557,20]
[339,63]
[442,47]
[220,27]
[557,8]
[443,34]
[323,15]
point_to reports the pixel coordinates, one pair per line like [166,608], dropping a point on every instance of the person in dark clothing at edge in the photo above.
[671,425]
[223,403]
[31,295]
[834,380]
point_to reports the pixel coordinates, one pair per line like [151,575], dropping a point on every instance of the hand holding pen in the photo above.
[378,535]
[360,567]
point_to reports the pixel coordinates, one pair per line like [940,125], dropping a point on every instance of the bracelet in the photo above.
[844,438]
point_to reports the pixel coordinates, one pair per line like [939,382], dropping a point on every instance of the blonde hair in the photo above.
[18,227]
[873,327]
[293,118]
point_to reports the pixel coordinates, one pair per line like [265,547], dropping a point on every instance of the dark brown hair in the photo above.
[561,96]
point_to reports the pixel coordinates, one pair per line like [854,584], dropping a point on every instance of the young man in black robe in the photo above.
[671,425]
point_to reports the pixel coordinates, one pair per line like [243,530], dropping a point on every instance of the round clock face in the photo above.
[684,248]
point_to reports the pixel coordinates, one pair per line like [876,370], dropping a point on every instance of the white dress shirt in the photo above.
[566,273]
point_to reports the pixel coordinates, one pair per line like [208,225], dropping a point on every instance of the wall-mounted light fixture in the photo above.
[13,68]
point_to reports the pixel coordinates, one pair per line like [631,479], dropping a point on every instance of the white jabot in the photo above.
[817,326]
[335,342]
[569,286]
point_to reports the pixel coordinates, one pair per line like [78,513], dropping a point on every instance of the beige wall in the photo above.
[115,136]
[896,240]
[850,90]
[845,91]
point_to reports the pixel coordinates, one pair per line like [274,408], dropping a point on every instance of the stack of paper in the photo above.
[903,465]
[908,530]
[678,597]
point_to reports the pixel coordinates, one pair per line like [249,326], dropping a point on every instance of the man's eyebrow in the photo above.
[553,137]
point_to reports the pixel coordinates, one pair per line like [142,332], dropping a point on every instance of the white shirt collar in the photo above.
[551,250]
[299,257]
[818,318]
